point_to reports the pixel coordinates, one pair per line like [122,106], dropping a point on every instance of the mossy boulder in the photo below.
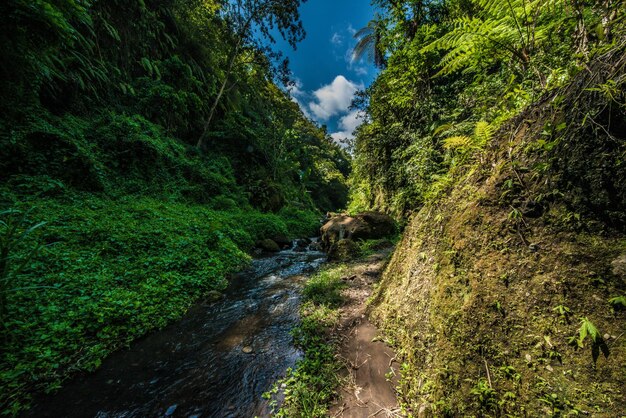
[344,250]
[367,225]
[268,245]
[282,240]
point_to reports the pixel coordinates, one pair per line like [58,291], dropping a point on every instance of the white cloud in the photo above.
[360,70]
[347,125]
[336,39]
[352,120]
[333,99]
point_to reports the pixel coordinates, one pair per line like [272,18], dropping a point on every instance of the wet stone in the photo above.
[170,411]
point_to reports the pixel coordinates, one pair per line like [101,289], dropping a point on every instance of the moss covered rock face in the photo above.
[344,250]
[495,310]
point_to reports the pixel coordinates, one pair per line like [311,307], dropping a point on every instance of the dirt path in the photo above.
[366,391]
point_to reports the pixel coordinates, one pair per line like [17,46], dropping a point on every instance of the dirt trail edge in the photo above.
[371,370]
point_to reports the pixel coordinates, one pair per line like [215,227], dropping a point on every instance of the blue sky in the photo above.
[325,75]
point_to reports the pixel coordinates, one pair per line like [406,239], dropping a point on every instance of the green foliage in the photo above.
[15,231]
[485,394]
[324,287]
[587,329]
[557,404]
[492,59]
[300,223]
[371,246]
[368,44]
[514,29]
[618,302]
[563,311]
[130,84]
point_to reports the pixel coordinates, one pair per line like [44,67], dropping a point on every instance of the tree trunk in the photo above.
[241,36]
[207,125]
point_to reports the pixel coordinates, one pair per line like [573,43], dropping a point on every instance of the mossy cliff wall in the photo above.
[488,290]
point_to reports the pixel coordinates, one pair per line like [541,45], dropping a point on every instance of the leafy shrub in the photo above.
[301,222]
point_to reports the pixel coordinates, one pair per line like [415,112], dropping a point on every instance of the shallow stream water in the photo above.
[198,367]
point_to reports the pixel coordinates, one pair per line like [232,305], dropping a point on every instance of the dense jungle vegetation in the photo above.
[454,72]
[145,147]
[497,131]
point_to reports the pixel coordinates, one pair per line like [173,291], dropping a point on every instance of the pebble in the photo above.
[247,349]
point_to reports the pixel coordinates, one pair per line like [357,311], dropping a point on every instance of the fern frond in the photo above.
[457,142]
[483,132]
[511,28]
[443,128]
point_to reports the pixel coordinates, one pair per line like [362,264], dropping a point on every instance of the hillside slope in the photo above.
[505,296]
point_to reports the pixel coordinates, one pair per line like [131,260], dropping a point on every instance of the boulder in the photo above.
[367,225]
[268,245]
[282,240]
[303,242]
[381,225]
[343,250]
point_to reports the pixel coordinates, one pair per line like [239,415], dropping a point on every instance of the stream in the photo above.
[200,365]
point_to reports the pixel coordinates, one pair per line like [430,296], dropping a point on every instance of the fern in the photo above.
[483,132]
[457,142]
[513,28]
[562,310]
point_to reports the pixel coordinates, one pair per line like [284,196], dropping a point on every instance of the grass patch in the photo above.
[372,246]
[309,388]
[323,288]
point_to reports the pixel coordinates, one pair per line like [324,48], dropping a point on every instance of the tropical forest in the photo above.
[312,208]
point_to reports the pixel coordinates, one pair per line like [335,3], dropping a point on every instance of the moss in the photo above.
[470,301]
